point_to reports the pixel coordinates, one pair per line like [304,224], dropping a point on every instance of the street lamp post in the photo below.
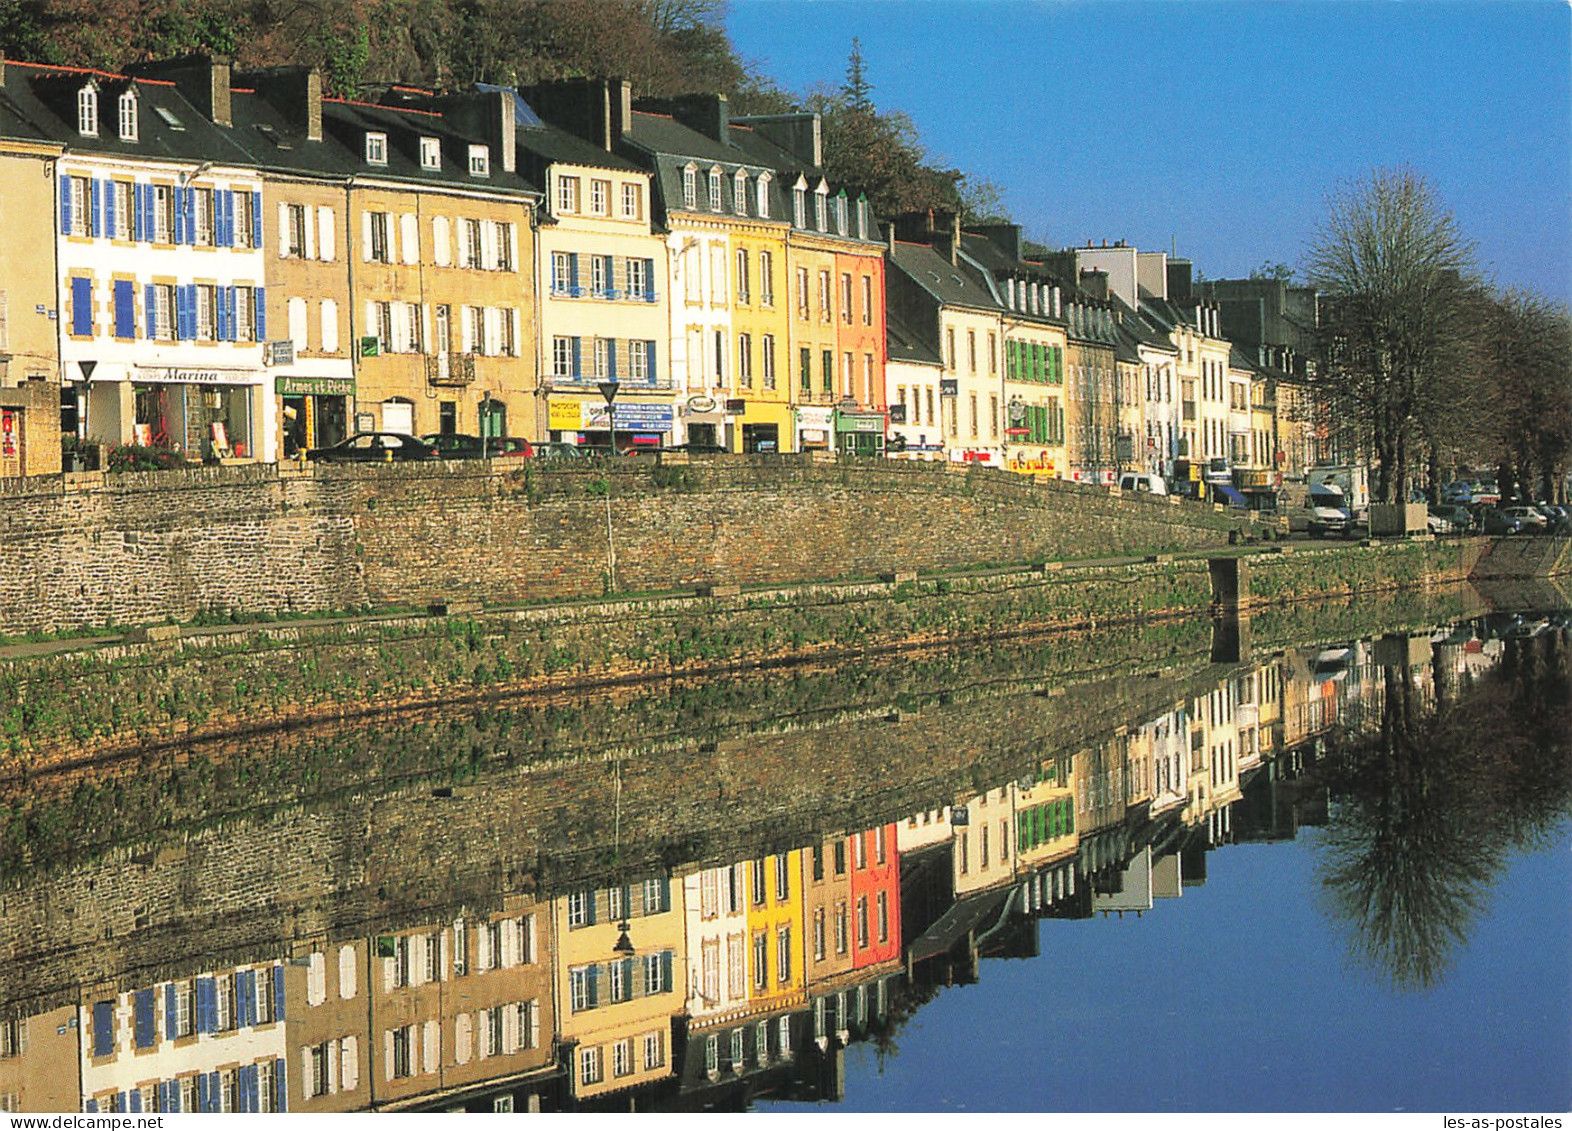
[608,389]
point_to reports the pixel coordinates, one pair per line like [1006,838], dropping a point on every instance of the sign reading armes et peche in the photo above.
[314,386]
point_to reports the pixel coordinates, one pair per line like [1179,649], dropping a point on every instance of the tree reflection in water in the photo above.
[1432,801]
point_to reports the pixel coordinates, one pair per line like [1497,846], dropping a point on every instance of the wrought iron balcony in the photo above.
[454,369]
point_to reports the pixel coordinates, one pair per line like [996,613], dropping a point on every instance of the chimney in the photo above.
[801,135]
[1006,237]
[598,110]
[295,92]
[1094,282]
[202,80]
[708,114]
[1179,289]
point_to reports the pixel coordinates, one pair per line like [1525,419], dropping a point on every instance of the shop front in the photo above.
[704,421]
[766,427]
[206,414]
[815,428]
[1042,463]
[859,433]
[314,412]
[582,420]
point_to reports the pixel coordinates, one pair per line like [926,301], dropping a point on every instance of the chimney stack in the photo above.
[295,92]
[598,110]
[202,80]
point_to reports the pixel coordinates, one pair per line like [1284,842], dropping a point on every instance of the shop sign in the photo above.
[818,419]
[736,406]
[897,414]
[960,815]
[949,386]
[1027,464]
[314,386]
[858,422]
[280,353]
[8,445]
[814,436]
[701,403]
[631,417]
[564,416]
[196,376]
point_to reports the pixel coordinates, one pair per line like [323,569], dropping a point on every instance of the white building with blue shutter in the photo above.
[212,1043]
[161,300]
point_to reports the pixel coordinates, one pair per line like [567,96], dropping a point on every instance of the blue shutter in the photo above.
[143,1003]
[120,1102]
[220,315]
[611,358]
[65,206]
[150,311]
[256,229]
[665,972]
[262,327]
[163,1096]
[248,1087]
[280,1091]
[215,1092]
[665,882]
[181,333]
[650,364]
[109,208]
[103,1028]
[627,976]
[138,225]
[171,1011]
[592,984]
[206,996]
[578,372]
[125,309]
[91,1107]
[185,211]
[229,313]
[222,200]
[98,208]
[573,273]
[246,983]
[278,1000]
[135,1097]
[201,1093]
[589,896]
[82,307]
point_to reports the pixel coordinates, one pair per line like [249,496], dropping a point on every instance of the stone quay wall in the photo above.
[86,550]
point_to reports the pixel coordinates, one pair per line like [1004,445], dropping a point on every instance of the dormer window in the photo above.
[840,214]
[87,111]
[862,217]
[715,190]
[430,153]
[690,188]
[127,107]
[820,213]
[799,204]
[740,193]
[764,196]
[479,161]
[376,149]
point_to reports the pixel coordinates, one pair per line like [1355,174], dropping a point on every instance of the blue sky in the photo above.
[1218,125]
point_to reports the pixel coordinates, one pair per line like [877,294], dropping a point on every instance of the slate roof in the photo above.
[950,284]
[904,344]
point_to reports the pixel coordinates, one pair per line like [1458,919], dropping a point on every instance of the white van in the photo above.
[1143,484]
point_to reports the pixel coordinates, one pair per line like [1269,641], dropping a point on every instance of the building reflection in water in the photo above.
[749,978]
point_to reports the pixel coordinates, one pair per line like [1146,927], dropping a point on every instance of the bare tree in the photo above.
[1394,269]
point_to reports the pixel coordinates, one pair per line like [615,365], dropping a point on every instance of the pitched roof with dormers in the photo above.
[951,284]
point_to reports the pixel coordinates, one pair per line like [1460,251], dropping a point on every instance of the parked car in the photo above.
[1495,521]
[1532,520]
[559,449]
[374,447]
[460,445]
[1141,483]
[1457,518]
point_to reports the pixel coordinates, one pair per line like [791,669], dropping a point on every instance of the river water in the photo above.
[1315,863]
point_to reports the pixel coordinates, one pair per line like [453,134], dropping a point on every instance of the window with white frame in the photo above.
[600,197]
[403,1060]
[600,274]
[246,234]
[502,232]
[745,360]
[736,1049]
[867,300]
[632,201]
[619,985]
[561,273]
[742,275]
[840,214]
[690,188]
[783,1036]
[715,190]
[639,276]
[469,244]
[739,195]
[712,1054]
[567,194]
[820,216]
[430,153]
[479,161]
[639,373]
[507,332]
[81,206]
[783,954]
[376,148]
[245,314]
[799,205]
[477,331]
[589,1066]
[87,111]
[207,300]
[163,214]
[202,214]
[580,985]
[267,1098]
[380,249]
[761,1042]
[124,227]
[562,367]
[767,361]
[622,1057]
[654,1050]
[654,897]
[764,196]
[163,312]
[127,115]
[655,974]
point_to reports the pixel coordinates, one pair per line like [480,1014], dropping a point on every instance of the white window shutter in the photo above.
[443,963]
[368,328]
[417,943]
[513,246]
[488,330]
[409,238]
[387,975]
[482,936]
[305,1071]
[432,347]
[283,230]
[510,1028]
[398,332]
[534,1024]
[330,345]
[530,952]
[467,325]
[441,241]
[461,1038]
[308,222]
[465,256]
[387,1054]
[332,1067]
[488,250]
[349,1076]
[326,236]
[365,237]
[431,1048]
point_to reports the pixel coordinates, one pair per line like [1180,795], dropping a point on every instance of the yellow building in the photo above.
[776,975]
[616,1005]
[38,1062]
[30,421]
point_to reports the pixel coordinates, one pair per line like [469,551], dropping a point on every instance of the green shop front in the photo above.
[313,412]
[859,433]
